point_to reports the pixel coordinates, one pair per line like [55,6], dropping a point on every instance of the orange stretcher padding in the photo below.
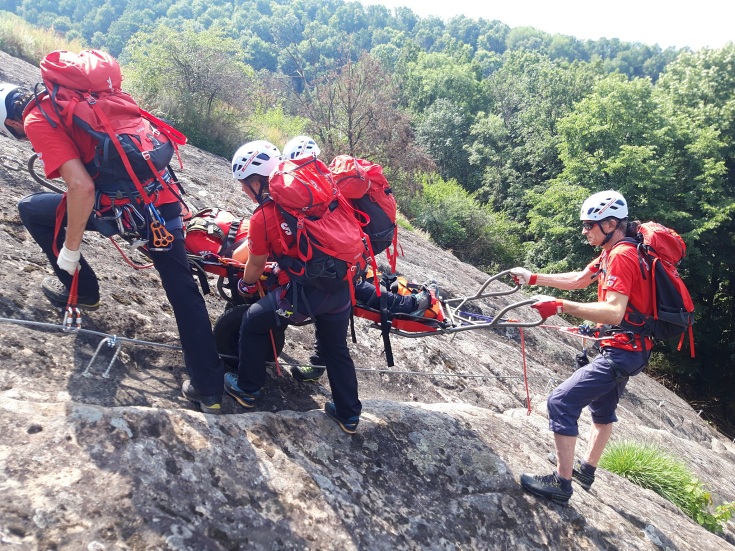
[431,322]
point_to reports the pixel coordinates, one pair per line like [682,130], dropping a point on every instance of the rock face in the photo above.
[124,462]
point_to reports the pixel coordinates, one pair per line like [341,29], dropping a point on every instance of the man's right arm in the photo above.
[567,281]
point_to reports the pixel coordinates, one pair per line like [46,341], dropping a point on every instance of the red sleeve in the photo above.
[53,145]
[269,234]
[56,146]
[622,271]
[257,241]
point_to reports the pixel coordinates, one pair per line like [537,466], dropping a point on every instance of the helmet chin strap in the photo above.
[608,236]
[258,194]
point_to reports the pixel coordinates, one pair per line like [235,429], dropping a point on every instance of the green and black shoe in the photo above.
[307,373]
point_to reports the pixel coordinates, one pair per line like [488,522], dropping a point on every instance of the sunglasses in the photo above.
[588,225]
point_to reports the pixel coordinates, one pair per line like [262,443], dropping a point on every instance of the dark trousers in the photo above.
[331,314]
[597,385]
[365,294]
[205,369]
[395,303]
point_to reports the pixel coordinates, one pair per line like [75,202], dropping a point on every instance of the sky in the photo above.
[668,23]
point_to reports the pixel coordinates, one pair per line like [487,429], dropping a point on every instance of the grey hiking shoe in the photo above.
[548,486]
[583,479]
[58,294]
[423,301]
[208,404]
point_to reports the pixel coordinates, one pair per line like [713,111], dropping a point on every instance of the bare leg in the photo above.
[565,454]
[599,435]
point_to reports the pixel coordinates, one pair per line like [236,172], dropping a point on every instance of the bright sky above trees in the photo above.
[706,23]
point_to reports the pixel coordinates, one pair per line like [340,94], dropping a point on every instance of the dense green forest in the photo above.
[492,136]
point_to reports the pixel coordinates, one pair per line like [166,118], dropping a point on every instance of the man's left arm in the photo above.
[79,204]
[79,201]
[254,267]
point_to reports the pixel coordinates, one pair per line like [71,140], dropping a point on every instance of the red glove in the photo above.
[522,276]
[247,289]
[548,306]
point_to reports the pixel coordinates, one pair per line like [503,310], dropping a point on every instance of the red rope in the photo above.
[525,373]
[127,260]
[73,292]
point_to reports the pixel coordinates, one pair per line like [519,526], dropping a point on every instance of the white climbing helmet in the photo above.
[300,146]
[605,204]
[258,157]
[8,94]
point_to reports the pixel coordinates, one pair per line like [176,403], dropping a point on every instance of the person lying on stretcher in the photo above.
[397,296]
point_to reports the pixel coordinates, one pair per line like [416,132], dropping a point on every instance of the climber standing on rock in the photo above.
[599,384]
[113,158]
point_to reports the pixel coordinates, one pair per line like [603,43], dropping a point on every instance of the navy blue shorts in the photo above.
[598,385]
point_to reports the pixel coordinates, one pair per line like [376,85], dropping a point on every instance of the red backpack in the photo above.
[660,249]
[370,195]
[329,239]
[134,147]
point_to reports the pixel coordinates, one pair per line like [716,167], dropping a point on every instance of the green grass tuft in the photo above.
[649,467]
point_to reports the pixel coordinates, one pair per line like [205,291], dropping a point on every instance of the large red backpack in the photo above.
[370,195]
[660,249]
[329,240]
[133,147]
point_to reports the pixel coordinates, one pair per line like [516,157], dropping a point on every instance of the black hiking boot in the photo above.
[578,475]
[58,295]
[548,486]
[208,404]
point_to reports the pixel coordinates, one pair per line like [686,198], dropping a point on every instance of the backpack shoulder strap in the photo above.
[639,246]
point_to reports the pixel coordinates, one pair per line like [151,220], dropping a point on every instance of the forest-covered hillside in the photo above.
[491,136]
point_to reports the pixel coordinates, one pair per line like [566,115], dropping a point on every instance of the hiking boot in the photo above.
[423,301]
[431,287]
[58,294]
[348,425]
[245,399]
[208,404]
[583,479]
[548,486]
[307,373]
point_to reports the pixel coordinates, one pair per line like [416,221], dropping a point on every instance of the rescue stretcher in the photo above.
[444,316]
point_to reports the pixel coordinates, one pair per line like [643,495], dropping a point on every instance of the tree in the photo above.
[616,138]
[441,75]
[353,111]
[697,95]
[195,79]
[443,131]
[528,96]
